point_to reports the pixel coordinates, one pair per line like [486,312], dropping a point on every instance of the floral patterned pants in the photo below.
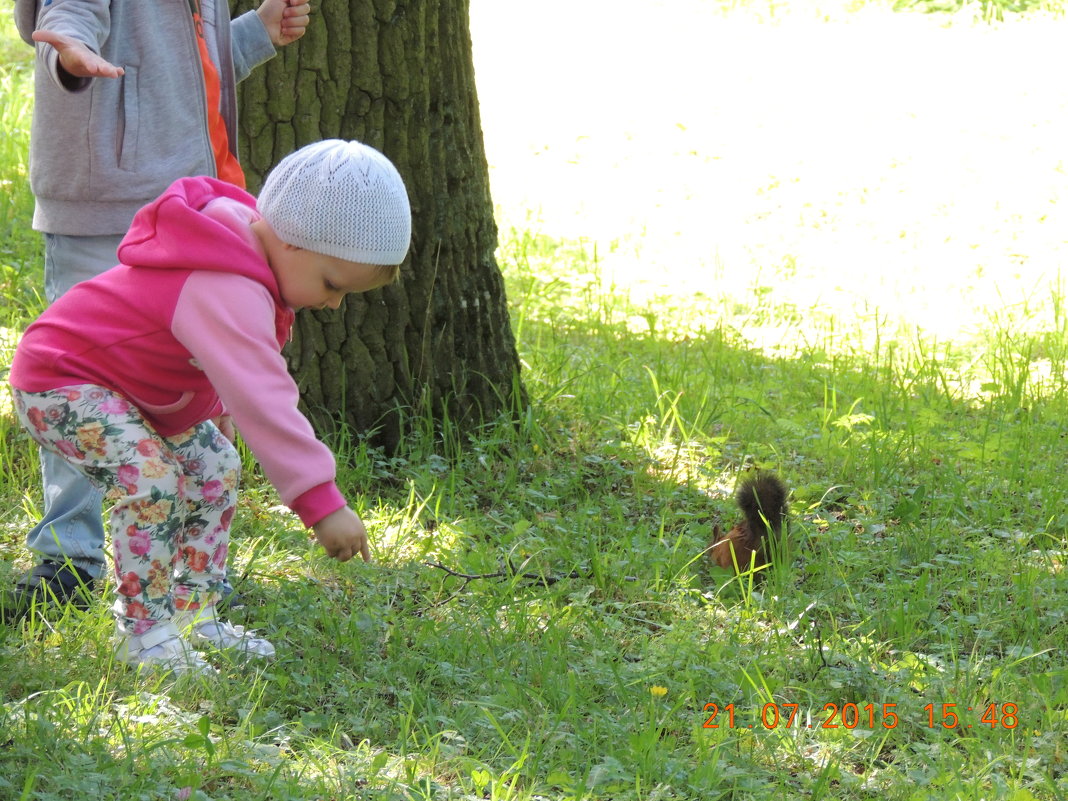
[174,497]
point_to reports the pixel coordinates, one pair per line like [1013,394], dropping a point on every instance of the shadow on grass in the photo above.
[922,569]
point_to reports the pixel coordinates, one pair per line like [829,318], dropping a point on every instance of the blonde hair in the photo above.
[387,273]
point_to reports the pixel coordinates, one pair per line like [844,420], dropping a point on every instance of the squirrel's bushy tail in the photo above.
[763,498]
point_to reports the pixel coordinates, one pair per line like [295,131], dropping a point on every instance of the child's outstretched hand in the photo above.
[342,535]
[76,58]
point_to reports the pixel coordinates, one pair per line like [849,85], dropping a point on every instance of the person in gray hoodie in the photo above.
[129,96]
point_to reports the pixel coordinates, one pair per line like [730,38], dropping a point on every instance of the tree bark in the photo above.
[398,76]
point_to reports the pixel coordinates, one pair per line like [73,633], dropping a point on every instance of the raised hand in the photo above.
[285,20]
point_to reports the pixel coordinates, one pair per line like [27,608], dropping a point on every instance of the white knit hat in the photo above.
[342,199]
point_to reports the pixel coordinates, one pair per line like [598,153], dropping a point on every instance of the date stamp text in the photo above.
[861,716]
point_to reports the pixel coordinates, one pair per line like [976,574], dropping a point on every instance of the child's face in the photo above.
[311,280]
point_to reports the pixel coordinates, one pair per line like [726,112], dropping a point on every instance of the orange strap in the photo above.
[226,164]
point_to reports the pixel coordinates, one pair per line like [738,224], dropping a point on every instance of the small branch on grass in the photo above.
[819,646]
[510,572]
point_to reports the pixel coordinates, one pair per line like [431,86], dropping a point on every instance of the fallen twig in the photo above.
[510,573]
[507,572]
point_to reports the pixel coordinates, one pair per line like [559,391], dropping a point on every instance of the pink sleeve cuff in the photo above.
[315,504]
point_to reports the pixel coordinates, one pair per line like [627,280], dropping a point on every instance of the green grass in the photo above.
[925,567]
[20,248]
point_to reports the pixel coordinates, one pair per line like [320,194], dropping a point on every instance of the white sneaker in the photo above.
[202,627]
[161,647]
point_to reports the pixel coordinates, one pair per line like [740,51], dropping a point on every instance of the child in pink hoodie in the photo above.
[137,377]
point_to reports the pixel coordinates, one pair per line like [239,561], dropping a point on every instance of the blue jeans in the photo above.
[72,526]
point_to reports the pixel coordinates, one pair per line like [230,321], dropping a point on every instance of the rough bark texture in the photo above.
[398,76]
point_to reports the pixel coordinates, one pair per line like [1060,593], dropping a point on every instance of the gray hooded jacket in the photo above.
[102,148]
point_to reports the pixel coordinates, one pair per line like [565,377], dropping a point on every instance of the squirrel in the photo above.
[762,499]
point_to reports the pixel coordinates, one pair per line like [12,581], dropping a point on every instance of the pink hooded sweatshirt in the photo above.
[188,326]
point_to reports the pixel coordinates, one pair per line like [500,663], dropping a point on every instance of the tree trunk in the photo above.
[398,76]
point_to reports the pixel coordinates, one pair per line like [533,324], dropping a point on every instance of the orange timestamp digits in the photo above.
[1006,715]
[864,716]
[774,716]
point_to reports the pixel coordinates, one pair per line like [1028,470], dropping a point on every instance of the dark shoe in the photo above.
[52,583]
[230,599]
